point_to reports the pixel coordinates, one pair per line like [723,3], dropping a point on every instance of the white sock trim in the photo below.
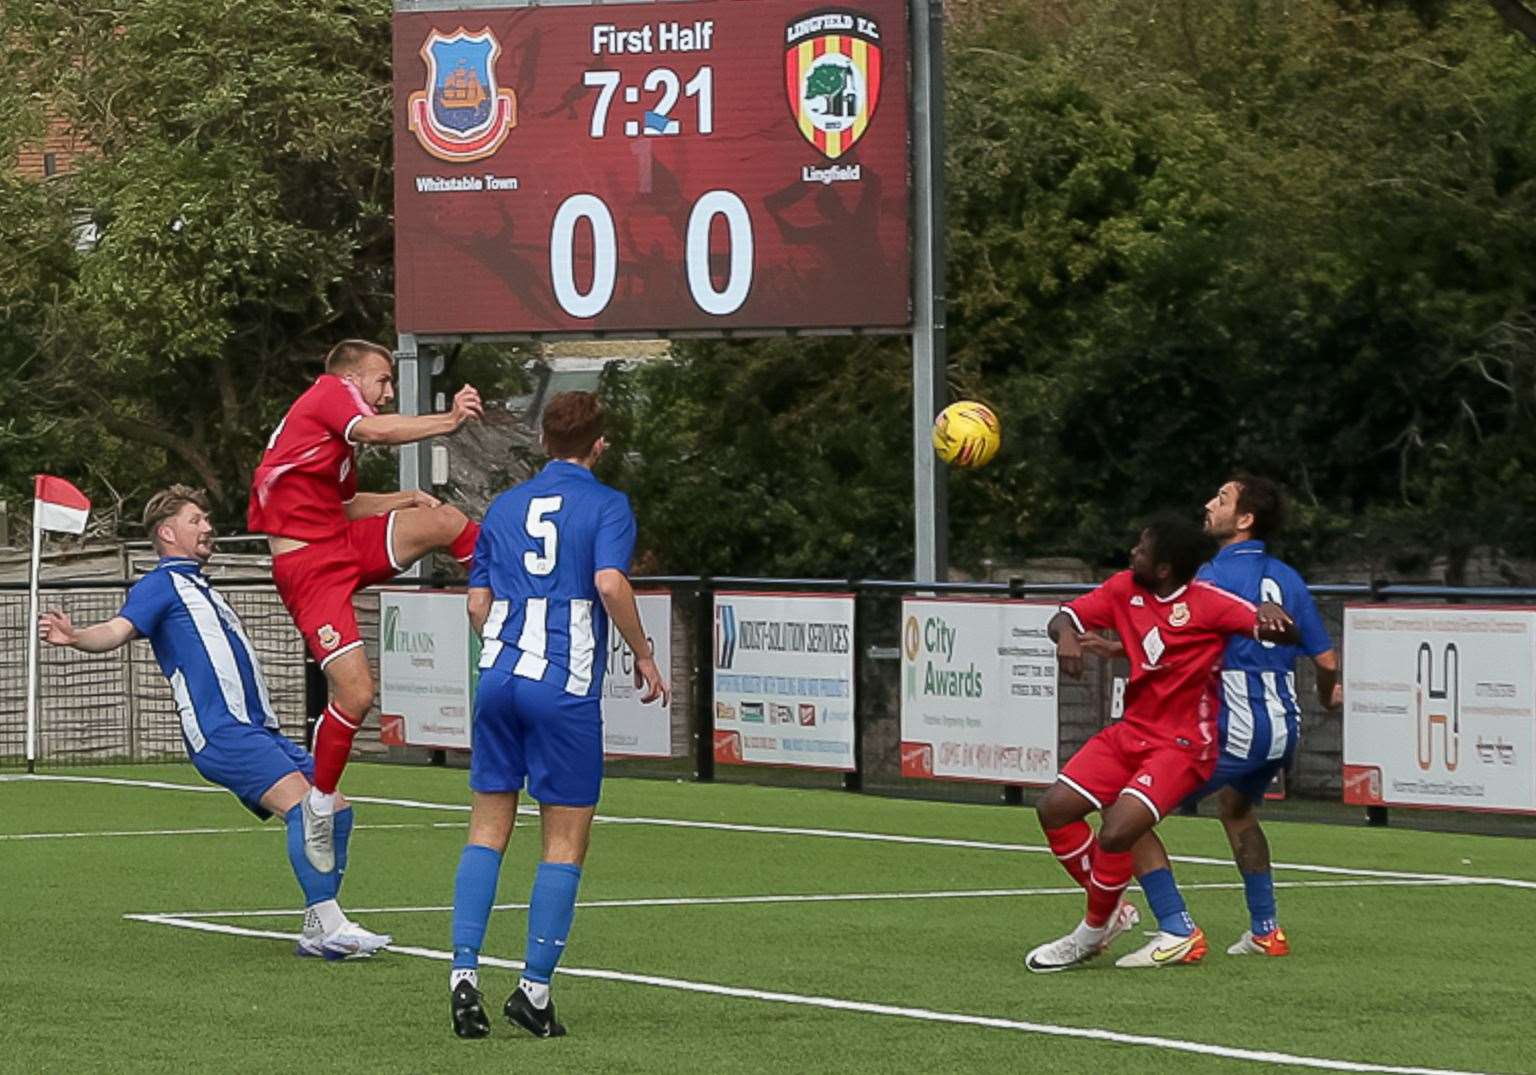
[536,992]
[321,803]
[330,914]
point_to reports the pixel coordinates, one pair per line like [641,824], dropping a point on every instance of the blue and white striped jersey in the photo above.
[1260,715]
[540,545]
[201,647]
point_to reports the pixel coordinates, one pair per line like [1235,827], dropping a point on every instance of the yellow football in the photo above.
[967,434]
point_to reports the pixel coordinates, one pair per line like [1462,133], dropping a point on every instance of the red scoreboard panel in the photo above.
[697,166]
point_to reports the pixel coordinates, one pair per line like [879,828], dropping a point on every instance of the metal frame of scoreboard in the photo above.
[550,209]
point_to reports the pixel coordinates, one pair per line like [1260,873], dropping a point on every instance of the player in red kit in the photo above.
[328,540]
[1174,631]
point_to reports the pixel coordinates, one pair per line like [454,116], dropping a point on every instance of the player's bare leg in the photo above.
[1062,810]
[1250,850]
[492,817]
[566,832]
[414,532]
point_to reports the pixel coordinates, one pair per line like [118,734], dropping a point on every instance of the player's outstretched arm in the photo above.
[1276,625]
[408,429]
[55,628]
[618,598]
[363,505]
[1069,650]
[1330,692]
[478,606]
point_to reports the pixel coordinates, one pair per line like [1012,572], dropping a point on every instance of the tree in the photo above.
[240,184]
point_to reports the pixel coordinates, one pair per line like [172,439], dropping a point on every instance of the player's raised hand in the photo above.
[1275,625]
[55,628]
[466,405]
[419,498]
[1069,654]
[648,676]
[1099,646]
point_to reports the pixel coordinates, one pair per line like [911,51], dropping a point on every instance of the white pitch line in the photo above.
[1259,1056]
[846,834]
[211,831]
[811,897]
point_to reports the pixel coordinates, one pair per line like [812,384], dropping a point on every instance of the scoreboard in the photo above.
[647,168]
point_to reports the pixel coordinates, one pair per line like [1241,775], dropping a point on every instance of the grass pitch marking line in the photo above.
[814,897]
[210,831]
[841,834]
[1258,1056]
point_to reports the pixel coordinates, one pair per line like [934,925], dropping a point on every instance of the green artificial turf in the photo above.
[1434,976]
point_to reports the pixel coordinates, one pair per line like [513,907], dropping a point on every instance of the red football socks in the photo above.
[1111,875]
[333,744]
[463,547]
[1073,845]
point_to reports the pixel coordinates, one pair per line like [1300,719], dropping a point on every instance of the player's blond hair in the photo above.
[167,503]
[349,354]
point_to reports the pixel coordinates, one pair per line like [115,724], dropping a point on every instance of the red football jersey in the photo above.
[309,468]
[1175,645]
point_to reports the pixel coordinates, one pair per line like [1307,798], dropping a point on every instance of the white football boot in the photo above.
[351,941]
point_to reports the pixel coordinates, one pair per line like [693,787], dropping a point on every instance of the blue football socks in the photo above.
[550,910]
[317,886]
[344,819]
[474,892]
[1167,902]
[1259,888]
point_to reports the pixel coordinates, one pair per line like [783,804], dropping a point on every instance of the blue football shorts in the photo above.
[1248,777]
[248,759]
[525,729]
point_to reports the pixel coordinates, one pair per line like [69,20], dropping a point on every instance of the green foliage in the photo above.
[1185,238]
[777,457]
[239,178]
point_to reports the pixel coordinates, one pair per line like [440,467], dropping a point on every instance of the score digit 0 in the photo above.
[701,286]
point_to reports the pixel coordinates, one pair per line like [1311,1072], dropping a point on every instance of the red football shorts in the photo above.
[317,582]
[1121,761]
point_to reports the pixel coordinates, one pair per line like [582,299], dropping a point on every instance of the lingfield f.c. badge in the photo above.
[461,116]
[832,66]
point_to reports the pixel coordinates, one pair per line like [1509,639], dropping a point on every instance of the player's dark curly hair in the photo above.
[1262,499]
[1180,543]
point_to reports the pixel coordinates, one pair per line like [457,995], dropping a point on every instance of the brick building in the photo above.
[55,155]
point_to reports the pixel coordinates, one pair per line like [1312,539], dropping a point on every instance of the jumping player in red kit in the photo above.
[1174,631]
[328,540]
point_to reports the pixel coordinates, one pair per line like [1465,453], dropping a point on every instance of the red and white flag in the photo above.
[59,506]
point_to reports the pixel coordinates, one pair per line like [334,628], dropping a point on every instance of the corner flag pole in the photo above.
[37,548]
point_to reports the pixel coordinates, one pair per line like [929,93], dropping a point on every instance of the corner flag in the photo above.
[58,505]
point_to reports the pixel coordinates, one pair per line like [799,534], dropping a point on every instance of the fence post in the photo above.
[854,781]
[1376,816]
[704,681]
[1013,794]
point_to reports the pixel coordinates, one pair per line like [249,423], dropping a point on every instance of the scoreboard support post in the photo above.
[413,383]
[930,506]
